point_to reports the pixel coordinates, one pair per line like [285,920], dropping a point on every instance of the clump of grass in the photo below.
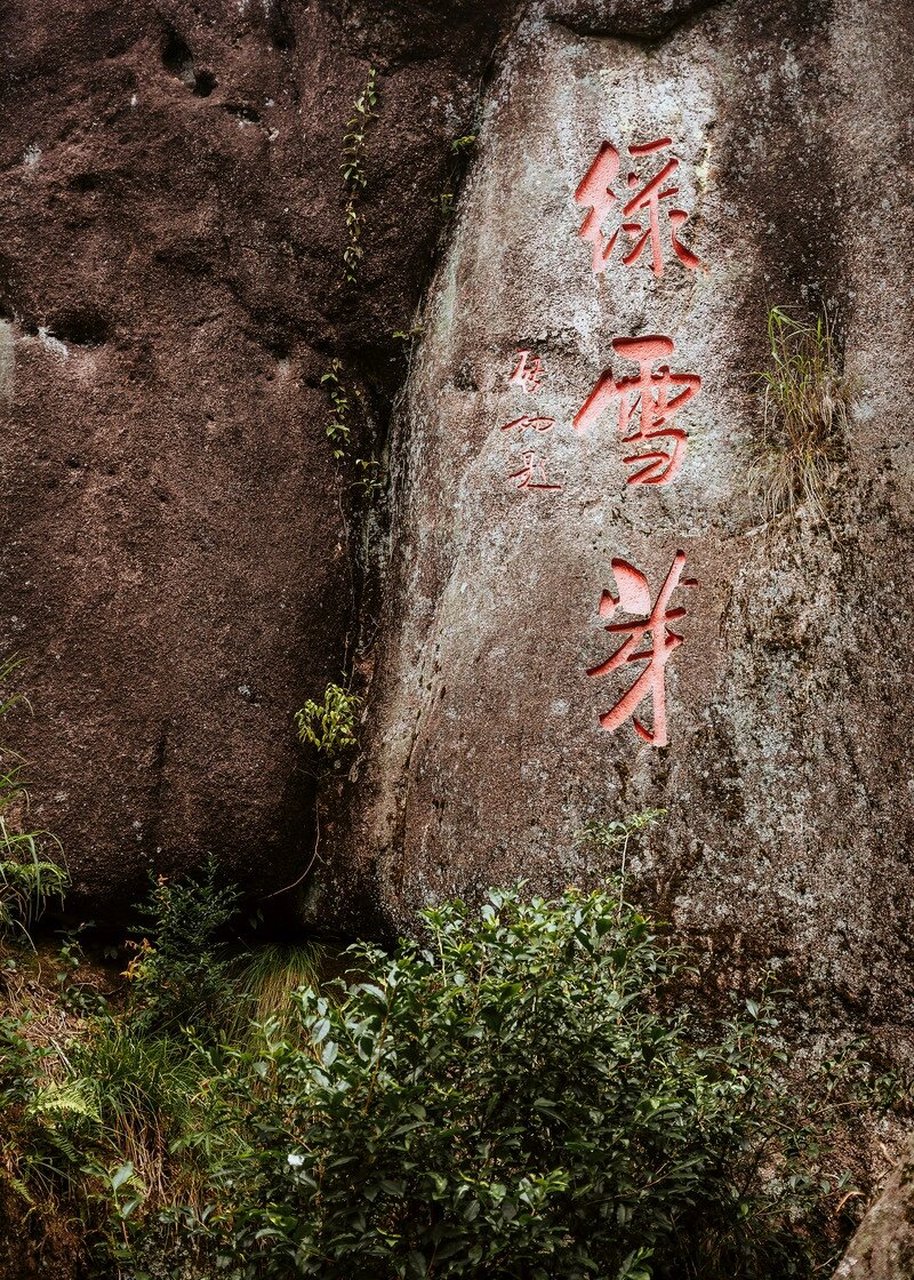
[807,403]
[28,878]
[26,886]
[268,977]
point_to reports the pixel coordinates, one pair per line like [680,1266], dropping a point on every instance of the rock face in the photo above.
[177,570]
[883,1246]
[785,777]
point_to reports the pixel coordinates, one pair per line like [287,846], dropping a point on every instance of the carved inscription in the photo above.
[528,373]
[639,216]
[657,395]
[654,633]
[632,214]
[532,474]
[635,216]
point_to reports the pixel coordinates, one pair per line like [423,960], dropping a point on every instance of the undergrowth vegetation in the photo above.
[807,404]
[29,877]
[527,1093]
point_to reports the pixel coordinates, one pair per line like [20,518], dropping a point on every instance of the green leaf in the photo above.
[121,1175]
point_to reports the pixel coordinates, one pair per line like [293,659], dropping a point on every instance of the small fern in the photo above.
[66,1097]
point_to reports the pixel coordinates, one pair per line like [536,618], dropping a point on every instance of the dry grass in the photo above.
[807,400]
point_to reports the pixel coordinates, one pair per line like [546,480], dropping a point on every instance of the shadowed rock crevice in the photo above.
[625,19]
[178,59]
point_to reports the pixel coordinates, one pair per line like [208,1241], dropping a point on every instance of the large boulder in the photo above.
[180,562]
[883,1245]
[496,725]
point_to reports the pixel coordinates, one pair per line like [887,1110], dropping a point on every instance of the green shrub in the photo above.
[519,1097]
[180,972]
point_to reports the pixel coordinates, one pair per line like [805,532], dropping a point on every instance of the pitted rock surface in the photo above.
[786,780]
[177,569]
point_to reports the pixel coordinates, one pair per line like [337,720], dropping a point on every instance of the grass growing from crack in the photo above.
[807,404]
[28,878]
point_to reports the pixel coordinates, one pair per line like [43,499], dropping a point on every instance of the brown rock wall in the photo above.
[179,566]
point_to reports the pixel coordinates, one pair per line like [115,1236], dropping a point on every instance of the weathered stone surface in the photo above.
[787,777]
[176,568]
[883,1246]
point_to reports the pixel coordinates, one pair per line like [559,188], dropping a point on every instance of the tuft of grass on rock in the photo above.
[29,879]
[807,403]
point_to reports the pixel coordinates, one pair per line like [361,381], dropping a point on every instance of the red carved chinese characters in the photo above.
[527,376]
[640,214]
[532,474]
[649,392]
[527,420]
[635,598]
[637,213]
[528,373]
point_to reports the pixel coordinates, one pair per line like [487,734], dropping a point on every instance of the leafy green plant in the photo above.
[338,427]
[408,336]
[354,175]
[369,476]
[519,1097]
[807,405]
[617,833]
[329,726]
[77,995]
[179,973]
[460,148]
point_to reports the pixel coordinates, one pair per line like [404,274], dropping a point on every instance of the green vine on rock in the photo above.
[368,475]
[338,428]
[354,175]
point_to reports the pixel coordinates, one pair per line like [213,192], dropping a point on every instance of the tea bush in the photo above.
[518,1097]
